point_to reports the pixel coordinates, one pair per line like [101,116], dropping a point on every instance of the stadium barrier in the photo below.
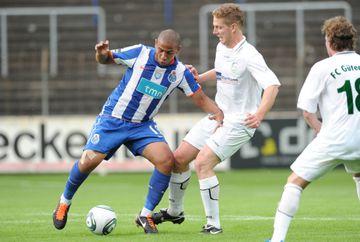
[53,143]
[276,143]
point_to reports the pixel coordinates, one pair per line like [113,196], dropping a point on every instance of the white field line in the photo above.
[40,218]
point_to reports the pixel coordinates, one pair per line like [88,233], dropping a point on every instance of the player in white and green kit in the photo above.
[332,88]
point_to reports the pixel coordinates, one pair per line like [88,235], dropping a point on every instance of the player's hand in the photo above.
[252,121]
[219,117]
[102,47]
[193,71]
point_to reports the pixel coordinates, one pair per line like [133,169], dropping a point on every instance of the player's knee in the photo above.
[201,166]
[90,160]
[87,166]
[165,162]
[180,162]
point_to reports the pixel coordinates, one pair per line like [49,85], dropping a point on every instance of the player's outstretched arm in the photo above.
[209,75]
[206,76]
[102,53]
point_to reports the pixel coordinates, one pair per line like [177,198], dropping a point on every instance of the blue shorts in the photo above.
[109,133]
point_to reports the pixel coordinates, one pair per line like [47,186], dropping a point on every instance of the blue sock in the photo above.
[157,186]
[74,181]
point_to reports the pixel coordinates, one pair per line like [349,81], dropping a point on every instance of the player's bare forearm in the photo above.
[267,101]
[208,105]
[207,76]
[312,120]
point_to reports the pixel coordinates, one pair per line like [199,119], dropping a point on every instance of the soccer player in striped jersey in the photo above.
[332,87]
[241,75]
[127,118]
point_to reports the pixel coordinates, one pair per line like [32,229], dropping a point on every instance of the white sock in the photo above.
[145,212]
[177,186]
[209,190]
[64,200]
[357,182]
[286,210]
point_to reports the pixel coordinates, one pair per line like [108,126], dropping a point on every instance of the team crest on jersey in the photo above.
[172,76]
[235,68]
[95,139]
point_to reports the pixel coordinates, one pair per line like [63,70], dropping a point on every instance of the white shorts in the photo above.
[224,142]
[315,162]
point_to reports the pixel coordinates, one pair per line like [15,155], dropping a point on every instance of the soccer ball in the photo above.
[101,219]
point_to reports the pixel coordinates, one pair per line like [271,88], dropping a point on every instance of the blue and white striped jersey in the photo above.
[145,84]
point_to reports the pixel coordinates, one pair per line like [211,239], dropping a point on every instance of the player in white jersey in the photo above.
[332,87]
[127,118]
[241,75]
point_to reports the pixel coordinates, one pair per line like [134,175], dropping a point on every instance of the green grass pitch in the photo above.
[329,209]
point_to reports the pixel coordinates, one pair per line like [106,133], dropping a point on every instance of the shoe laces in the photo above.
[61,211]
[150,221]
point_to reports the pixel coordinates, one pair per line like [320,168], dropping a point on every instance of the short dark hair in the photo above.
[170,35]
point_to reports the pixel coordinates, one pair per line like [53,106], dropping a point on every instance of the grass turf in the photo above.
[329,208]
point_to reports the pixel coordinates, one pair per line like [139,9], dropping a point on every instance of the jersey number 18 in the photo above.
[349,95]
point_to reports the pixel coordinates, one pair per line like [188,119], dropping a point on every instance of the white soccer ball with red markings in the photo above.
[101,220]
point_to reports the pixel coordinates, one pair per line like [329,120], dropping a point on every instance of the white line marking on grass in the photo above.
[35,221]
[76,217]
[256,218]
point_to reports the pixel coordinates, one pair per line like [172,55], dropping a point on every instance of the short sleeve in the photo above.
[261,72]
[311,90]
[128,55]
[188,84]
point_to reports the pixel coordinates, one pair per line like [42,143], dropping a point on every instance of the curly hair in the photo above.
[231,13]
[340,33]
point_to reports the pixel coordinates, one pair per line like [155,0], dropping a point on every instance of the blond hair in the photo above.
[231,13]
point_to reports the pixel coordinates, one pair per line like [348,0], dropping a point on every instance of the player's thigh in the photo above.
[160,155]
[141,135]
[228,139]
[185,153]
[107,135]
[200,132]
[206,159]
[90,160]
[313,163]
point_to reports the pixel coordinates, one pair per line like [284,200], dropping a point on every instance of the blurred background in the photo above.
[51,88]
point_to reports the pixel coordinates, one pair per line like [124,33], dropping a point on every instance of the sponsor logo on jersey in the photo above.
[224,79]
[172,76]
[151,89]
